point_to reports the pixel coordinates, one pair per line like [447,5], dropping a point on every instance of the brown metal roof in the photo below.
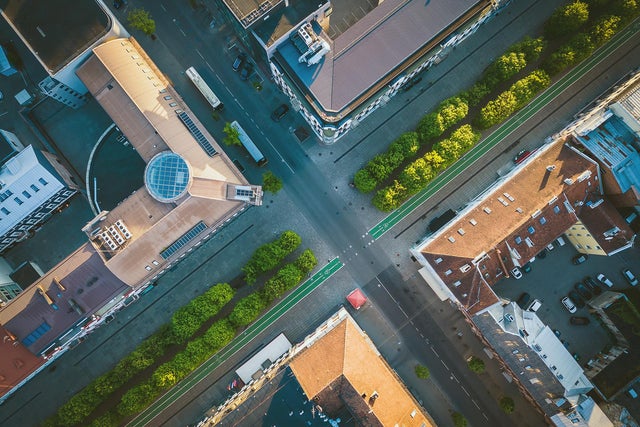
[16,362]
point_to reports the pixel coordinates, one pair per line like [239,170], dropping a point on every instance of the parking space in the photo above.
[553,277]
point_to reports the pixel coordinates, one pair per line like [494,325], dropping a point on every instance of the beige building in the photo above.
[191,187]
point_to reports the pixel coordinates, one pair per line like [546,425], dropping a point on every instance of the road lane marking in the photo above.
[198,52]
[475,403]
[445,365]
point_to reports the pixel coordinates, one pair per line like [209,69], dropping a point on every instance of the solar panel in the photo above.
[202,140]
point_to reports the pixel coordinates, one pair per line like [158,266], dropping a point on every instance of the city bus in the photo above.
[204,89]
[247,143]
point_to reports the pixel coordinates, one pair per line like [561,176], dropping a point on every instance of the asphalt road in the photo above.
[312,186]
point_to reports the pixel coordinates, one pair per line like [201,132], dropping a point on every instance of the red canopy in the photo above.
[356,298]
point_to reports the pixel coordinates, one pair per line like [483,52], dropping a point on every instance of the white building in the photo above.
[33,185]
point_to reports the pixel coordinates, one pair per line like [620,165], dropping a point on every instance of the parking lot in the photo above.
[553,277]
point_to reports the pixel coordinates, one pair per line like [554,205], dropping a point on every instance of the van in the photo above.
[534,306]
[560,241]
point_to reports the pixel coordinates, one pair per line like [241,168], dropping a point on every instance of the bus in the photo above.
[204,89]
[253,150]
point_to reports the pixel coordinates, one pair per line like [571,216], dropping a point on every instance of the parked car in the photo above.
[279,112]
[579,259]
[550,247]
[630,277]
[542,254]
[526,268]
[523,300]
[577,299]
[569,305]
[239,61]
[632,393]
[583,291]
[516,273]
[579,320]
[557,332]
[535,305]
[246,70]
[603,279]
[592,285]
[508,317]
[521,156]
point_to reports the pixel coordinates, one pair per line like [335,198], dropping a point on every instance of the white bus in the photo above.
[253,150]
[204,89]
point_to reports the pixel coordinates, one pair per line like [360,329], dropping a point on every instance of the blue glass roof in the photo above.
[167,177]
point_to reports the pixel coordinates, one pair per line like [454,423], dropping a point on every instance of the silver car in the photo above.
[569,305]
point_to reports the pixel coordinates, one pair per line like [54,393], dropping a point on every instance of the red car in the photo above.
[521,156]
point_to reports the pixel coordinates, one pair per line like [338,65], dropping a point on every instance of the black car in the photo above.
[279,112]
[592,285]
[239,61]
[583,291]
[523,300]
[577,299]
[542,254]
[579,259]
[117,4]
[578,320]
[246,70]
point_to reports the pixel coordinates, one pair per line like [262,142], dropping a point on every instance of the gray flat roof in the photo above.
[250,11]
[57,30]
[375,46]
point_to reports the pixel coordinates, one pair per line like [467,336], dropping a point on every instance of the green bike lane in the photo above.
[503,131]
[238,342]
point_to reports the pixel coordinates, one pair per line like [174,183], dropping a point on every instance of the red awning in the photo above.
[356,298]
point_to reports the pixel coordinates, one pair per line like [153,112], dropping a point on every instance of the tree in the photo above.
[567,20]
[505,67]
[527,87]
[532,48]
[390,198]
[476,365]
[364,182]
[497,110]
[507,405]
[247,310]
[271,183]
[422,372]
[459,420]
[604,29]
[306,261]
[232,135]
[141,20]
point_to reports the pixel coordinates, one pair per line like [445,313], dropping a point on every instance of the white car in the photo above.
[569,305]
[630,277]
[550,247]
[516,273]
[603,279]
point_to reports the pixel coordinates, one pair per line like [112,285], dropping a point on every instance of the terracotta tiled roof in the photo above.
[346,354]
[16,362]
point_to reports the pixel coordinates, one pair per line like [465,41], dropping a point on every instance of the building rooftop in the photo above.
[26,274]
[44,26]
[372,52]
[282,20]
[16,362]
[61,299]
[614,144]
[192,187]
[345,362]
[248,12]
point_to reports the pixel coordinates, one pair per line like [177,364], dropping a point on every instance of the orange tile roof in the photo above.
[347,352]
[16,362]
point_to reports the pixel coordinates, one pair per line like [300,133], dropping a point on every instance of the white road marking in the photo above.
[391,296]
[475,403]
[445,365]
[465,390]
[163,8]
[435,352]
[485,416]
[199,54]
[183,33]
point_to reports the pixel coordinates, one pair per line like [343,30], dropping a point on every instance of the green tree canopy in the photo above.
[422,372]
[232,135]
[476,365]
[507,405]
[141,20]
[271,183]
[567,20]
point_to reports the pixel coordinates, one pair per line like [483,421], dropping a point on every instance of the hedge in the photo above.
[268,256]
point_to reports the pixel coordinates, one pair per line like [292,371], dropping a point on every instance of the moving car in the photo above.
[516,273]
[246,70]
[579,259]
[569,305]
[279,112]
[577,299]
[592,285]
[583,291]
[630,277]
[239,61]
[603,279]
[579,320]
